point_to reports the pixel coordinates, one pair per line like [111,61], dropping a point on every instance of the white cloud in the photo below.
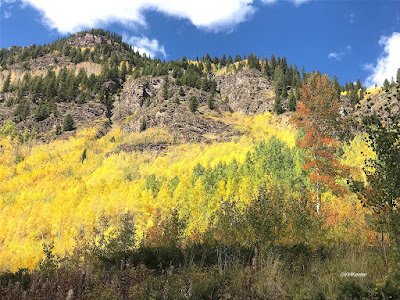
[74,15]
[7,15]
[338,55]
[388,62]
[300,2]
[145,45]
[351,18]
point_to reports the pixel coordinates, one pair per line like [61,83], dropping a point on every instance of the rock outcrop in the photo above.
[247,91]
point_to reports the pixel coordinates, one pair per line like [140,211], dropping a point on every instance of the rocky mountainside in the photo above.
[94,76]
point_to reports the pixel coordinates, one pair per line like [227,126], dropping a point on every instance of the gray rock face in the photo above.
[88,40]
[142,101]
[247,91]
[83,114]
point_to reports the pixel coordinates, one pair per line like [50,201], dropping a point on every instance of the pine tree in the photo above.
[143,125]
[272,63]
[68,123]
[278,104]
[398,76]
[6,85]
[83,156]
[22,110]
[107,100]
[210,102]
[230,60]
[208,66]
[336,85]
[181,92]
[165,88]
[215,60]
[280,87]
[41,112]
[386,85]
[303,73]
[292,101]
[223,61]
[193,104]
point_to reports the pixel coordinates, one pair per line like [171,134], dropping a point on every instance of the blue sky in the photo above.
[352,39]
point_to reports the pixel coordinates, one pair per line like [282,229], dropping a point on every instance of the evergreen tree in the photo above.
[123,71]
[208,66]
[297,95]
[6,85]
[278,104]
[83,156]
[223,61]
[41,112]
[181,92]
[143,125]
[58,129]
[398,76]
[280,87]
[292,101]
[392,83]
[386,85]
[176,100]
[193,104]
[210,102]
[165,88]
[230,60]
[303,73]
[238,58]
[22,110]
[82,98]
[272,63]
[358,85]
[353,97]
[336,85]
[215,60]
[108,102]
[68,123]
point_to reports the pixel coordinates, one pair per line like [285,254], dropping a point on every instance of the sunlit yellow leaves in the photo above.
[52,196]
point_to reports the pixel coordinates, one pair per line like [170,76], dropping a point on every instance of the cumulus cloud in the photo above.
[388,62]
[143,44]
[74,15]
[71,16]
[338,55]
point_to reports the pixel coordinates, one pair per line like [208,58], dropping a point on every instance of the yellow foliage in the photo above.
[372,91]
[51,195]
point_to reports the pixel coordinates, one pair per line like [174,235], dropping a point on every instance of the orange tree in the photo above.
[319,116]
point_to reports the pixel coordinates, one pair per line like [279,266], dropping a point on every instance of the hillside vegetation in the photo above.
[133,178]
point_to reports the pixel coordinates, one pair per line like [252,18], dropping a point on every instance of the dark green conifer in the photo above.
[6,85]
[210,102]
[165,88]
[68,123]
[292,101]
[193,104]
[181,92]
